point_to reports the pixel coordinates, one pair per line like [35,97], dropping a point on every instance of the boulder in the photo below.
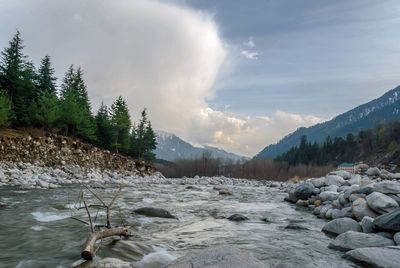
[342,173]
[319,182]
[386,187]
[373,171]
[237,217]
[303,191]
[42,184]
[332,188]
[334,180]
[381,203]
[154,212]
[328,196]
[218,256]
[382,257]
[389,221]
[367,225]
[396,238]
[341,225]
[355,180]
[360,209]
[352,240]
[395,197]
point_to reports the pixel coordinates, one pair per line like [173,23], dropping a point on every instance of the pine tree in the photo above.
[46,81]
[121,124]
[17,78]
[75,110]
[103,127]
[45,110]
[150,143]
[5,109]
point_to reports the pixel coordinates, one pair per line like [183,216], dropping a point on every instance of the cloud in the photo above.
[249,43]
[156,54]
[250,55]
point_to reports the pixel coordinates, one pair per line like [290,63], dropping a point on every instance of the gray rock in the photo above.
[303,203]
[381,203]
[342,200]
[395,197]
[317,210]
[367,225]
[396,238]
[218,256]
[319,182]
[382,257]
[225,192]
[341,225]
[111,263]
[332,188]
[360,209]
[42,184]
[342,173]
[237,217]
[355,180]
[294,226]
[386,187]
[316,191]
[385,234]
[328,196]
[373,171]
[303,191]
[352,240]
[389,221]
[154,212]
[354,197]
[334,180]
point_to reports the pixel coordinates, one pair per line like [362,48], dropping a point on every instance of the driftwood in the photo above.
[89,248]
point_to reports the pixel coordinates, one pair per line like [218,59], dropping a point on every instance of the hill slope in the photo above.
[171,148]
[381,110]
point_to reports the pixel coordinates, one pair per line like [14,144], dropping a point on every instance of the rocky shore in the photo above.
[363,210]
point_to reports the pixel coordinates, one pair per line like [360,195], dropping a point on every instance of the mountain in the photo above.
[171,148]
[381,110]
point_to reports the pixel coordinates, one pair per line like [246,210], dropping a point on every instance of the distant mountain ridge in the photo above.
[170,147]
[381,110]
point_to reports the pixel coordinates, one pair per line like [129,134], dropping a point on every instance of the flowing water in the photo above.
[36,231]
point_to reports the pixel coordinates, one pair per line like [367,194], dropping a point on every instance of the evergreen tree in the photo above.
[17,77]
[121,124]
[75,110]
[150,143]
[45,110]
[103,128]
[46,81]
[5,109]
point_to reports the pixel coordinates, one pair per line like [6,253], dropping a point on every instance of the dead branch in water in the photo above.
[96,233]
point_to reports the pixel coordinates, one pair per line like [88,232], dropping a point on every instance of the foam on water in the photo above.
[159,257]
[37,228]
[48,216]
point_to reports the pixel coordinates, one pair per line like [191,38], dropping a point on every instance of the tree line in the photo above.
[30,97]
[385,138]
[252,169]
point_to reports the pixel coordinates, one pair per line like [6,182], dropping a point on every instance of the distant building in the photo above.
[350,167]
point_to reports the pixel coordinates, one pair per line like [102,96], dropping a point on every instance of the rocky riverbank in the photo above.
[363,210]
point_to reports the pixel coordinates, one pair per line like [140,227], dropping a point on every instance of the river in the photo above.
[36,231]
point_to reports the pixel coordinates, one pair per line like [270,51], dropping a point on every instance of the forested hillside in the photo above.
[379,145]
[31,97]
[382,110]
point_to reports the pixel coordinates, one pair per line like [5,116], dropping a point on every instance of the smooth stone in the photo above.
[352,240]
[237,217]
[382,257]
[334,180]
[354,197]
[293,226]
[218,256]
[389,221]
[396,238]
[385,234]
[341,225]
[367,225]
[303,190]
[328,196]
[319,182]
[154,212]
[332,188]
[395,197]
[386,187]
[355,180]
[342,173]
[316,191]
[303,203]
[381,203]
[373,171]
[360,209]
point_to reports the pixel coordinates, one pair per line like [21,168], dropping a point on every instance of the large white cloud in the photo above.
[156,54]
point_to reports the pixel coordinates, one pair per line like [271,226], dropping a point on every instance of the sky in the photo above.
[238,75]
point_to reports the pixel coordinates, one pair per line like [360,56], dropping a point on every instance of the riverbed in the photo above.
[36,229]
